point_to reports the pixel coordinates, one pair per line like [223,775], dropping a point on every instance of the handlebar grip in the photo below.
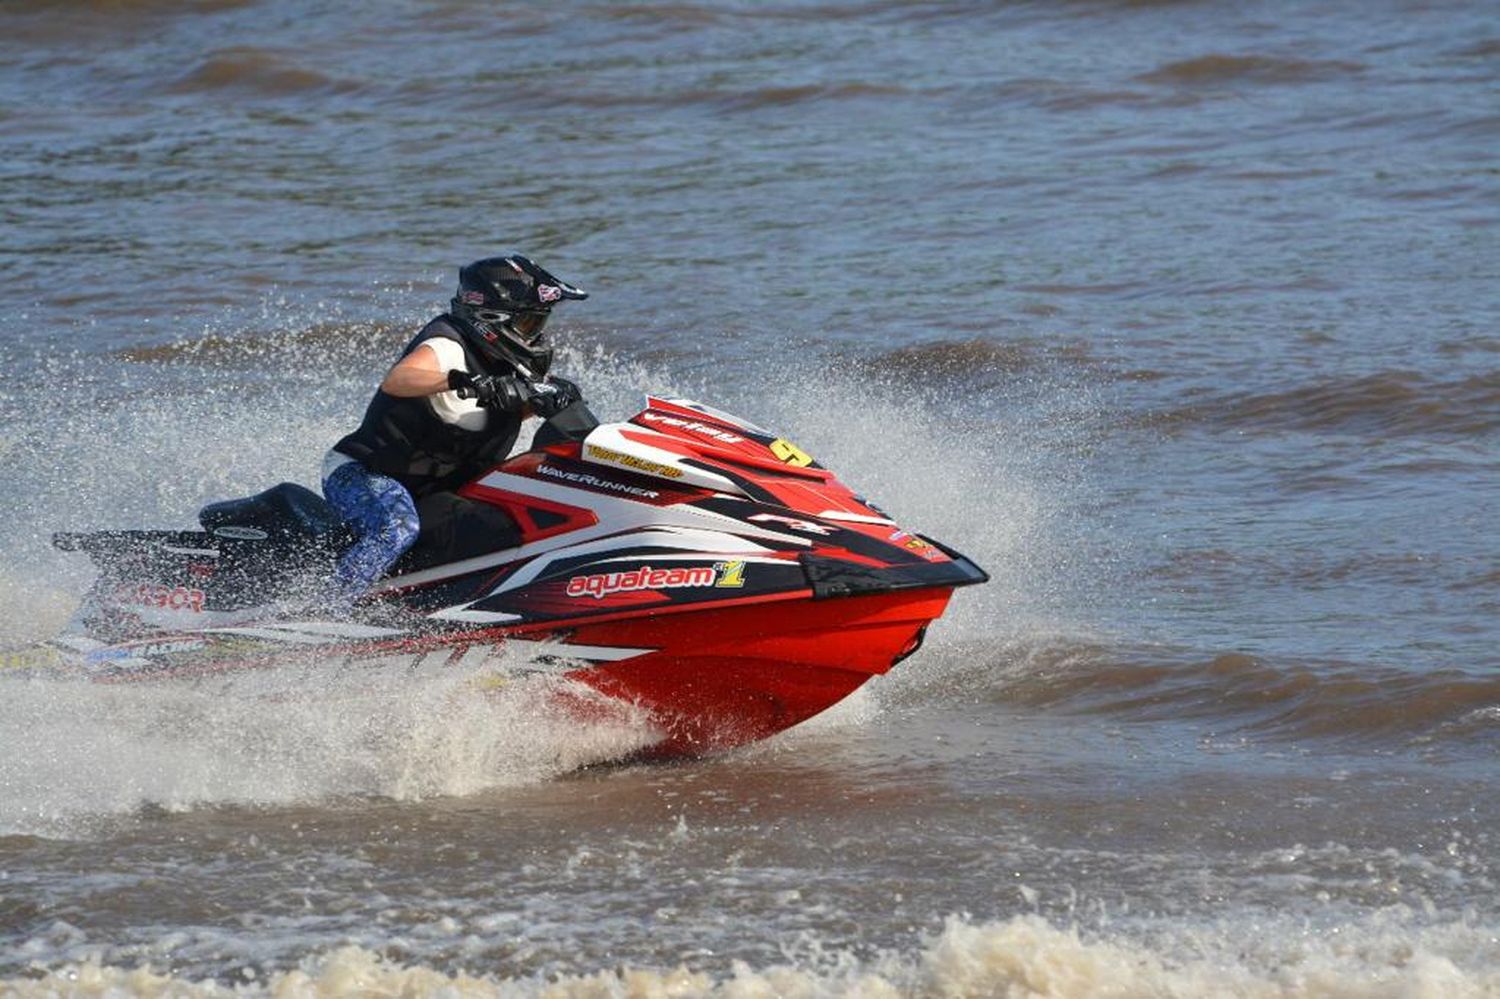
[462,383]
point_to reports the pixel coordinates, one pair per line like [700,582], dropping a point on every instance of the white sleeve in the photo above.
[449,408]
[449,354]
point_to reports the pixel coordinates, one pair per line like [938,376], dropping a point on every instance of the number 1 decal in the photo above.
[730,574]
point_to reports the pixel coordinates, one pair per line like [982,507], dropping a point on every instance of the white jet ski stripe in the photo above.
[563,650]
[338,629]
[78,643]
[473,616]
[276,635]
[133,663]
[717,414]
[856,518]
[692,556]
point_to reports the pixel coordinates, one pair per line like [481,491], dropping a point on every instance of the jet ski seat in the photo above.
[283,512]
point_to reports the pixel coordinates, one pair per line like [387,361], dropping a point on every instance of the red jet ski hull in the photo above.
[736,675]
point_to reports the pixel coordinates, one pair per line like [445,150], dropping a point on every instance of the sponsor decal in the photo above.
[920,545]
[790,453]
[600,585]
[698,428]
[924,548]
[594,482]
[805,526]
[166,597]
[117,652]
[39,657]
[493,681]
[548,293]
[631,461]
[472,298]
[241,533]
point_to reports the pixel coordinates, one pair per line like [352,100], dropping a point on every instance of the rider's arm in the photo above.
[418,373]
[422,373]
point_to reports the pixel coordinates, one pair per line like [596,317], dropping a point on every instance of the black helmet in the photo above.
[504,303]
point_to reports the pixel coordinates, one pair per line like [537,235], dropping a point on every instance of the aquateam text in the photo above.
[600,585]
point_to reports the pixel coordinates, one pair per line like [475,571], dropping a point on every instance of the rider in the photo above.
[449,408]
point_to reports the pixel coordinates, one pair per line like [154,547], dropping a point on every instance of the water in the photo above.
[1180,320]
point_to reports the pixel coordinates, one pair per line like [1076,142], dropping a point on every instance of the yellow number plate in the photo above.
[790,453]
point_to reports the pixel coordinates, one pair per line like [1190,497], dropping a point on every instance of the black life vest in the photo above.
[406,439]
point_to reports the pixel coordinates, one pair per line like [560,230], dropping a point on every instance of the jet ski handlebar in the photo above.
[514,393]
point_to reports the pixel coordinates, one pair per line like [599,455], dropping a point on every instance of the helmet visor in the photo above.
[528,325]
[524,326]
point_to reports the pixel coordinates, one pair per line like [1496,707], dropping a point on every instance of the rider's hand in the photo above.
[503,392]
[553,396]
[462,382]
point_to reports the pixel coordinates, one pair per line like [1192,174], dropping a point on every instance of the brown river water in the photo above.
[1180,318]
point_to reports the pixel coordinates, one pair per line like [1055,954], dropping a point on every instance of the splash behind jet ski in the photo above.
[685,562]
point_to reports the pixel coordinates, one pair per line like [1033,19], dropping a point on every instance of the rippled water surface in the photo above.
[1180,318]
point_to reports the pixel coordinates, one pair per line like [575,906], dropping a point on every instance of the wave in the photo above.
[1339,701]
[1386,954]
[977,360]
[770,97]
[1384,403]
[1054,94]
[127,7]
[1332,566]
[684,15]
[344,342]
[66,25]
[953,359]
[1216,69]
[893,11]
[257,71]
[1484,49]
[728,100]
[1481,581]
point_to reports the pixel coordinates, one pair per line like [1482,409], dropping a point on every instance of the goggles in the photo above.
[524,326]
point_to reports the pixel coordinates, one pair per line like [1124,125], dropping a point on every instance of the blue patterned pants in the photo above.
[384,518]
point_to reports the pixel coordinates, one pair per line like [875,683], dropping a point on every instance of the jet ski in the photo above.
[685,562]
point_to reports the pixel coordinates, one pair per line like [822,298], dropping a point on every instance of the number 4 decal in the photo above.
[790,453]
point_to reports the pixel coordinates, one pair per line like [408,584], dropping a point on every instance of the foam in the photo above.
[71,753]
[1025,957]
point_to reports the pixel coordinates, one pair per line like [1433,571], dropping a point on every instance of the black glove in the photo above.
[507,393]
[553,396]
